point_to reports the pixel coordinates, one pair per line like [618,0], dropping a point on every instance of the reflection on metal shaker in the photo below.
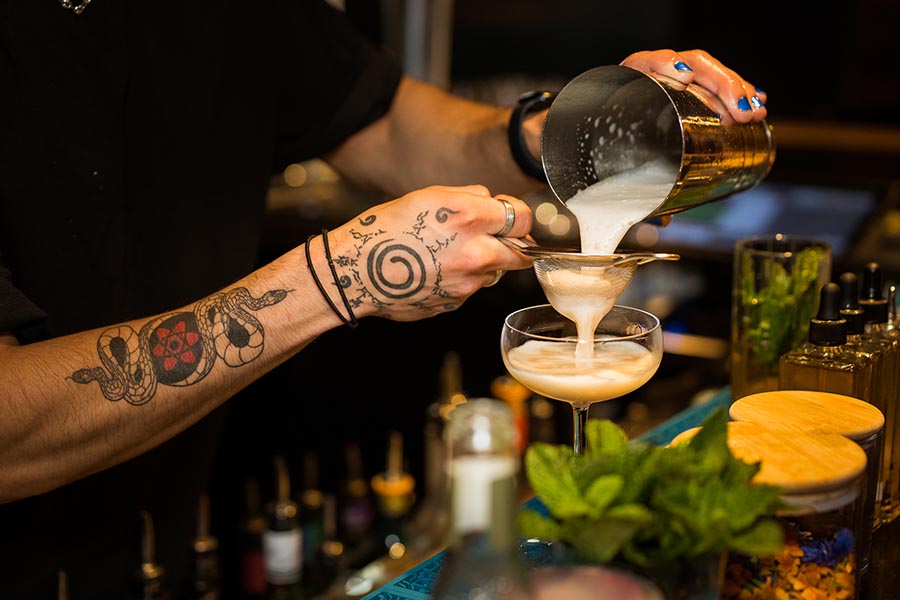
[613,119]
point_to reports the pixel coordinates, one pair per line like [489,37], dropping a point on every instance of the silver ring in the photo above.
[498,274]
[510,218]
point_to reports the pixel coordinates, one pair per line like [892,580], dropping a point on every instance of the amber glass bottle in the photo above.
[824,363]
[883,380]
[876,329]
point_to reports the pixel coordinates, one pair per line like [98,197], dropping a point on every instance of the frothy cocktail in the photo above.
[614,370]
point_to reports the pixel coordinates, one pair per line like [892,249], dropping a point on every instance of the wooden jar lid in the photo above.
[798,462]
[802,410]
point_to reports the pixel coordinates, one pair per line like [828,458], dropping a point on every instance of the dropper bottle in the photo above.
[252,527]
[823,363]
[875,320]
[283,540]
[878,351]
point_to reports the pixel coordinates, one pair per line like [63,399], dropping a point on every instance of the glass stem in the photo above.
[580,416]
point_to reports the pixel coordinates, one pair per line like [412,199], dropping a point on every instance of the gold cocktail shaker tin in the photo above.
[613,119]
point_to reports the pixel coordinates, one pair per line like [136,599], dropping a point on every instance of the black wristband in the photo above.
[528,103]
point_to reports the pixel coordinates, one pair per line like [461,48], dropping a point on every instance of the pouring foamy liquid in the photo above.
[585,293]
[605,211]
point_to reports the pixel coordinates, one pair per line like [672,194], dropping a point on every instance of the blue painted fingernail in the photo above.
[682,66]
[759,91]
[756,102]
[743,104]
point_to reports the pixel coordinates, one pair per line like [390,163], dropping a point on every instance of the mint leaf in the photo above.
[603,437]
[766,537]
[598,541]
[601,492]
[550,477]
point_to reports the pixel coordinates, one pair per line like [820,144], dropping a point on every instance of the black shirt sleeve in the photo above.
[16,310]
[334,81]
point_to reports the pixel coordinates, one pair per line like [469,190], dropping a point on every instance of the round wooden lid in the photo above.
[798,462]
[802,410]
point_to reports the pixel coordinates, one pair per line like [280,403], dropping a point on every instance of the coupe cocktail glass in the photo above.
[545,351]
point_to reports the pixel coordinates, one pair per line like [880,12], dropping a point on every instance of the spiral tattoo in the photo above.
[398,254]
[388,269]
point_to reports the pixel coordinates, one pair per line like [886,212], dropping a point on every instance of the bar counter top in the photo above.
[882,582]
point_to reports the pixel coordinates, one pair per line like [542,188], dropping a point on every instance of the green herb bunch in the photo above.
[648,505]
[779,313]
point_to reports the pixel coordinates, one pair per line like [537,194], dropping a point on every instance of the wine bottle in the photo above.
[482,556]
[310,499]
[149,581]
[430,519]
[253,584]
[205,581]
[328,562]
[356,514]
[283,541]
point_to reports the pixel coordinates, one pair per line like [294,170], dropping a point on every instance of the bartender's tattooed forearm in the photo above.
[179,348]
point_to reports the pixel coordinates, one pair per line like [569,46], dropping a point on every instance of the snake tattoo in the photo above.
[179,349]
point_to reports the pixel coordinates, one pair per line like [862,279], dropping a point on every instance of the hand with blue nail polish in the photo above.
[721,88]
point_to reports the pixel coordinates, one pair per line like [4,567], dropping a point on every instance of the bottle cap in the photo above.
[850,308]
[827,327]
[871,297]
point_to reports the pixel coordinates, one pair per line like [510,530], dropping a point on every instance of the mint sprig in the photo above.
[646,504]
[777,315]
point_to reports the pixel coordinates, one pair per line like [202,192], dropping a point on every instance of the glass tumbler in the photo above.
[776,283]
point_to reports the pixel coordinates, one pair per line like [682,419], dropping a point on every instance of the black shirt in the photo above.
[137,141]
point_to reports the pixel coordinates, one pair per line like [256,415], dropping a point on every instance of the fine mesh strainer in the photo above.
[577,283]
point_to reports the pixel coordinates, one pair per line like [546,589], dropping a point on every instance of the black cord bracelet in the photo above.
[352,322]
[527,104]
[349,322]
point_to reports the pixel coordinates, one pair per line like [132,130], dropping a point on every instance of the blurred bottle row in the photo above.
[300,541]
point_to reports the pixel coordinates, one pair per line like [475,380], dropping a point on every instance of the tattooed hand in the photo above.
[426,252]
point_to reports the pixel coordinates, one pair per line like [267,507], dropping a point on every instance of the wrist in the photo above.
[524,131]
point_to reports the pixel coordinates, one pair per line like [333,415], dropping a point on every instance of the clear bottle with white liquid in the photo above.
[482,559]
